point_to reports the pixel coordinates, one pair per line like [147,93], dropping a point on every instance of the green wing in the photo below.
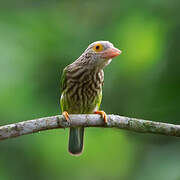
[98,100]
[63,80]
[62,87]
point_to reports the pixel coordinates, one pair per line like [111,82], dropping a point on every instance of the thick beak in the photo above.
[111,53]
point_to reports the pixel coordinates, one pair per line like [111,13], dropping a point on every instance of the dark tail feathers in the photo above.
[76,136]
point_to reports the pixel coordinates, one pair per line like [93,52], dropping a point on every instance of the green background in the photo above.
[39,38]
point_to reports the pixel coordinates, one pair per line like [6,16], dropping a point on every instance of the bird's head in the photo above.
[100,53]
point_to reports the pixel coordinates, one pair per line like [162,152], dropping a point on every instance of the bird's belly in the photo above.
[84,101]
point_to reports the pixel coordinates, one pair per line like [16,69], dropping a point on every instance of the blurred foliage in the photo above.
[39,38]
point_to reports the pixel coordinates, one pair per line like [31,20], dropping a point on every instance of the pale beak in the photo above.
[111,53]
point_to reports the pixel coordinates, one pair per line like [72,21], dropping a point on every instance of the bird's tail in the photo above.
[76,136]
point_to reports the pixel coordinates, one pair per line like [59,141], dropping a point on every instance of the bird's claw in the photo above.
[103,115]
[66,115]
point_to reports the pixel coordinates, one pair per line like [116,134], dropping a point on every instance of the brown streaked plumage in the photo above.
[82,83]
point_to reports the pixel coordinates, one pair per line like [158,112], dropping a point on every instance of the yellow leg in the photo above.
[66,115]
[103,115]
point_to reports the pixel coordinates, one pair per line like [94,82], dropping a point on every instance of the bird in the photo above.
[81,86]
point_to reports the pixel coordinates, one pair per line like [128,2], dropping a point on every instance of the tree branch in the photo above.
[88,120]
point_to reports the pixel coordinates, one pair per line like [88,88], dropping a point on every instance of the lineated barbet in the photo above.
[82,83]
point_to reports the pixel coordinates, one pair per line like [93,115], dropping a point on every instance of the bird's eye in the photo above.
[98,47]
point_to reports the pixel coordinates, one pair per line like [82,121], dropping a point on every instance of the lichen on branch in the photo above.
[88,120]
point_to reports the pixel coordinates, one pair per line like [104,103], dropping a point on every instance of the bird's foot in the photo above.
[103,115]
[66,115]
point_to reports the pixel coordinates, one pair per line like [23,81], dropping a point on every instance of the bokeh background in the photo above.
[39,38]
